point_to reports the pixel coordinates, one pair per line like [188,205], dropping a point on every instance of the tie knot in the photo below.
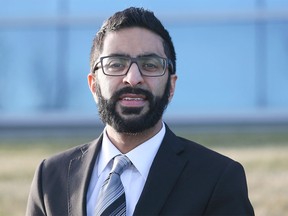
[120,163]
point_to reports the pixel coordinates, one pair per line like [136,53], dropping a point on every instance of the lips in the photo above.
[132,100]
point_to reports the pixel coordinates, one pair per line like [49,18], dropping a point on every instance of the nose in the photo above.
[133,76]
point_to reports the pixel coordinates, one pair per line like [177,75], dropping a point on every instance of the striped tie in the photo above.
[111,199]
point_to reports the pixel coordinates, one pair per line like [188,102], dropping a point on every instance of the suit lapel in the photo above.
[164,172]
[79,174]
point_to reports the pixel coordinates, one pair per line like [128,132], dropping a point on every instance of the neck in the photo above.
[125,142]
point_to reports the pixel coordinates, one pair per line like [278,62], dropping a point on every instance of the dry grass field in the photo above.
[264,156]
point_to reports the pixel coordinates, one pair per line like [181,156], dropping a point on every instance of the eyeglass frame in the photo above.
[167,61]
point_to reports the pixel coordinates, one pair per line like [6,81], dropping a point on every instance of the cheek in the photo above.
[159,86]
[106,86]
[105,91]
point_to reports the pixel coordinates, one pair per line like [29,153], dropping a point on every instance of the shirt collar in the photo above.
[107,153]
[141,157]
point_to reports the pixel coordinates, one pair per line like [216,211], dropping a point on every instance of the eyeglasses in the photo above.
[150,66]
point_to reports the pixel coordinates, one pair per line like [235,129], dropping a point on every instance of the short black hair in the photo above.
[133,17]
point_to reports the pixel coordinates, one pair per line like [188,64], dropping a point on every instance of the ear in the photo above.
[173,78]
[92,82]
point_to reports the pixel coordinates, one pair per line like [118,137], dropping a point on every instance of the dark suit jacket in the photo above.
[185,179]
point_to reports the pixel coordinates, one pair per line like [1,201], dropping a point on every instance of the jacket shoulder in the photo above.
[64,157]
[201,150]
[194,150]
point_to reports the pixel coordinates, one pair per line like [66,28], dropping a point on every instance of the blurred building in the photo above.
[232,60]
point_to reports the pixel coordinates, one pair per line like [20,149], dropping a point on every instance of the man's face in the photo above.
[132,103]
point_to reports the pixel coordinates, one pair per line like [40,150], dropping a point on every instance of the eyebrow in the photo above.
[141,55]
[149,55]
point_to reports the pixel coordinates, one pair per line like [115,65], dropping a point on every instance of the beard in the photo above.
[137,122]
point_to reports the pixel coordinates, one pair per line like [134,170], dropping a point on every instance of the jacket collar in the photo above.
[165,170]
[79,174]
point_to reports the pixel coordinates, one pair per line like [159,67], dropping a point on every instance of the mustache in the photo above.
[131,90]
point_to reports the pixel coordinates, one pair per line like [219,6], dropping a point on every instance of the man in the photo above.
[132,80]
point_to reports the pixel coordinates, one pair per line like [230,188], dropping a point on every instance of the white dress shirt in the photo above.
[133,178]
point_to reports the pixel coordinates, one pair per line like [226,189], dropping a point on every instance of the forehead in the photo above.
[133,42]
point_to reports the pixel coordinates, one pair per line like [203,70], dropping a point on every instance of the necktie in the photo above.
[111,199]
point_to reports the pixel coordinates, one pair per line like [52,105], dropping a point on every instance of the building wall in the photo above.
[232,56]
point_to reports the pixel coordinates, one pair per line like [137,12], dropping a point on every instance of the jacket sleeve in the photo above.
[35,205]
[230,195]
